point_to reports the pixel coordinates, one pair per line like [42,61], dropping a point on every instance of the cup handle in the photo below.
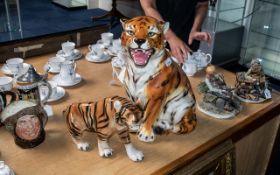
[45,83]
[209,58]
[89,48]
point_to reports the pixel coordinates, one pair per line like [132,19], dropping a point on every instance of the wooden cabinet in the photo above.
[241,145]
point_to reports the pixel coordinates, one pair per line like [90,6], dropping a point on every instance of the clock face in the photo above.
[28,127]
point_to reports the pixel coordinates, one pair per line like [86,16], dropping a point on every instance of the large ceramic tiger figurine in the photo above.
[154,80]
[105,117]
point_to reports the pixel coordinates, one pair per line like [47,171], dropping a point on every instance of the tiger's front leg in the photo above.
[104,149]
[132,152]
[152,111]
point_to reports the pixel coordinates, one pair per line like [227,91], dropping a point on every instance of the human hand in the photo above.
[200,36]
[179,49]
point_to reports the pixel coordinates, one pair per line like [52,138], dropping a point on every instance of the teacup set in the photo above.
[195,62]
[67,74]
[57,92]
[14,66]
[104,48]
[68,51]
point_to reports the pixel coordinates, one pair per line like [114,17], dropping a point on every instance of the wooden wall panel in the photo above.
[254,150]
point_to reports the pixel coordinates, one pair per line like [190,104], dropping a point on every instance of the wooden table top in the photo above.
[59,155]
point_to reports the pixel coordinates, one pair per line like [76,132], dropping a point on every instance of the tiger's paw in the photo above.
[83,146]
[105,152]
[134,154]
[104,149]
[146,136]
[134,128]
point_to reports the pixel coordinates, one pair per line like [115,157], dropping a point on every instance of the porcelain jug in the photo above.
[25,120]
[28,85]
[202,59]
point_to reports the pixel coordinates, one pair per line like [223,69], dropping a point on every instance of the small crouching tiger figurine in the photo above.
[104,117]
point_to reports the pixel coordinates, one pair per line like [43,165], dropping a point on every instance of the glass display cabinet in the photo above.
[10,20]
[224,23]
[264,37]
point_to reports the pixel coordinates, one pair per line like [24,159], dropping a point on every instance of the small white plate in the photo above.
[59,94]
[46,67]
[93,58]
[106,46]
[113,51]
[74,56]
[7,71]
[60,82]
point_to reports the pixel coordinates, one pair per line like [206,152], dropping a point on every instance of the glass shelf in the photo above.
[274,2]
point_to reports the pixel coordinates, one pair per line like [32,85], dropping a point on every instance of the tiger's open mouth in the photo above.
[140,56]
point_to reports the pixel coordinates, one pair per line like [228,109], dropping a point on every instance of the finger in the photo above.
[175,54]
[190,40]
[185,51]
[180,56]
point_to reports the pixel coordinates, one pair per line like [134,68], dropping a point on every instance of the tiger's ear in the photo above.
[117,105]
[164,26]
[123,20]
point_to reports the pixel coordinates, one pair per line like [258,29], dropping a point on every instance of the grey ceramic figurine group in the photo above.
[222,101]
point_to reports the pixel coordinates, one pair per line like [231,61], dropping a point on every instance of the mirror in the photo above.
[20,19]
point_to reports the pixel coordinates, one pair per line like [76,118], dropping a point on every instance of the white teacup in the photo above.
[117,44]
[67,72]
[44,90]
[55,63]
[107,38]
[98,50]
[68,48]
[6,83]
[190,68]
[15,65]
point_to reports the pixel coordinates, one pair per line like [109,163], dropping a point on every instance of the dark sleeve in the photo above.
[202,0]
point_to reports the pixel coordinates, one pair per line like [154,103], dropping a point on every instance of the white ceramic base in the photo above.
[74,56]
[93,58]
[248,101]
[224,115]
[60,82]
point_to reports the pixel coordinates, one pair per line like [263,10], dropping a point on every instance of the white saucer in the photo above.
[103,44]
[60,82]
[74,56]
[7,71]
[93,58]
[59,94]
[113,51]
[51,70]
